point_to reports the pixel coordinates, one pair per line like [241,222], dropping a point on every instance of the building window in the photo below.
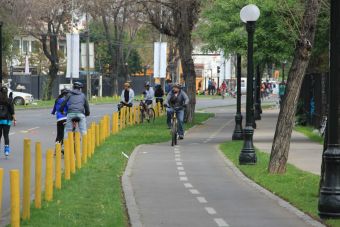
[25,46]
[16,45]
[35,46]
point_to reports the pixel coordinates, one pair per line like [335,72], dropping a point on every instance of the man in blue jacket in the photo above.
[78,108]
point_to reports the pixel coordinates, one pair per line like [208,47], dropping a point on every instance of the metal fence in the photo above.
[34,84]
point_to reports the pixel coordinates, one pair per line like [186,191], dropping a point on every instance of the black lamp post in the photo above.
[257,95]
[329,200]
[249,14]
[238,131]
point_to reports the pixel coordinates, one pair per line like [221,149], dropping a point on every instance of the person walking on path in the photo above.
[209,87]
[78,108]
[282,91]
[61,116]
[177,100]
[7,116]
[223,89]
[213,87]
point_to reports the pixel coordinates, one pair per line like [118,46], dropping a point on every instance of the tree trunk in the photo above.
[185,51]
[53,73]
[281,143]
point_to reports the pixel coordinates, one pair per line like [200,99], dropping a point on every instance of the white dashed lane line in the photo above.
[183,179]
[180,168]
[202,200]
[221,223]
[210,210]
[179,163]
[181,173]
[194,191]
[188,185]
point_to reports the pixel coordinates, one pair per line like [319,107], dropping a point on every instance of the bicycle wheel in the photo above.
[174,133]
[142,115]
[152,114]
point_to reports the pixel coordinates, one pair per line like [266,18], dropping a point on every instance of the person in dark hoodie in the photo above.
[61,117]
[78,108]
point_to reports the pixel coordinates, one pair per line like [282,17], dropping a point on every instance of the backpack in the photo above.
[4,112]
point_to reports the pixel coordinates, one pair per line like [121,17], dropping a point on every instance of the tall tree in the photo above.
[121,21]
[177,18]
[47,20]
[303,49]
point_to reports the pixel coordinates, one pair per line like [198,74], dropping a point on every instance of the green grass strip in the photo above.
[298,187]
[308,131]
[93,196]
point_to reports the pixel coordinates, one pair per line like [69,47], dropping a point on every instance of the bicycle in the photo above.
[147,112]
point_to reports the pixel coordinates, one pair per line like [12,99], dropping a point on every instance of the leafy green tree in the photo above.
[221,28]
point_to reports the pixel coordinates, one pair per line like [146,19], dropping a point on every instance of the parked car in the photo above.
[21,98]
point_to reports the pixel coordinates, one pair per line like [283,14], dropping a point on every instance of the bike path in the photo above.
[191,185]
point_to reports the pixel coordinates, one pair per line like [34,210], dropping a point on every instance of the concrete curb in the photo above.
[131,205]
[269,194]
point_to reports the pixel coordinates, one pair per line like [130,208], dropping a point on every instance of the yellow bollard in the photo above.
[58,166]
[27,180]
[71,154]
[156,110]
[15,197]
[130,116]
[160,112]
[138,114]
[116,121]
[38,170]
[121,120]
[67,159]
[77,143]
[113,126]
[97,135]
[49,176]
[1,182]
[89,153]
[101,131]
[93,129]
[84,149]
[125,115]
[108,125]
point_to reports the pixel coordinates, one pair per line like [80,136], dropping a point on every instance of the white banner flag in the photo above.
[83,56]
[72,55]
[159,64]
[27,66]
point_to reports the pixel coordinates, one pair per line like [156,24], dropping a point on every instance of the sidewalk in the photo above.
[304,153]
[192,185]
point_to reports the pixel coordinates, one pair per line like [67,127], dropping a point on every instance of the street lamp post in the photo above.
[249,15]
[329,199]
[238,131]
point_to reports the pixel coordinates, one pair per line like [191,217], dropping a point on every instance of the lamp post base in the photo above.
[248,155]
[238,131]
[329,200]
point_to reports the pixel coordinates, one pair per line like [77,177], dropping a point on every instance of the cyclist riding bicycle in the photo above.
[149,94]
[159,93]
[78,109]
[176,101]
[126,97]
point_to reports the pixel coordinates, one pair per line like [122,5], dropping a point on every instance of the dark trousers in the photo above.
[4,130]
[60,131]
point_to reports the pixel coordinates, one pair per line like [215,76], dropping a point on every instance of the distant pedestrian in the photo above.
[213,87]
[282,91]
[159,93]
[7,116]
[209,87]
[223,89]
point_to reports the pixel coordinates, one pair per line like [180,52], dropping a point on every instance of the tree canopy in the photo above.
[276,30]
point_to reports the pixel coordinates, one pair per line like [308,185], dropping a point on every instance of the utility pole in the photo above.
[88,78]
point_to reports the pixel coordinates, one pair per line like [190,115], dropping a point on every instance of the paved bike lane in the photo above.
[191,185]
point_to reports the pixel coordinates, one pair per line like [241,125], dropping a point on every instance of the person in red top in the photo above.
[223,89]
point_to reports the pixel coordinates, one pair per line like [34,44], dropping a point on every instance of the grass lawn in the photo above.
[94,195]
[308,131]
[303,195]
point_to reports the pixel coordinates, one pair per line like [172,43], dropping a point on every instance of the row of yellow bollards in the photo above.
[77,151]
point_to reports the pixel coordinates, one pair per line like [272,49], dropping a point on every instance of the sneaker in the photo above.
[180,137]
[7,150]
